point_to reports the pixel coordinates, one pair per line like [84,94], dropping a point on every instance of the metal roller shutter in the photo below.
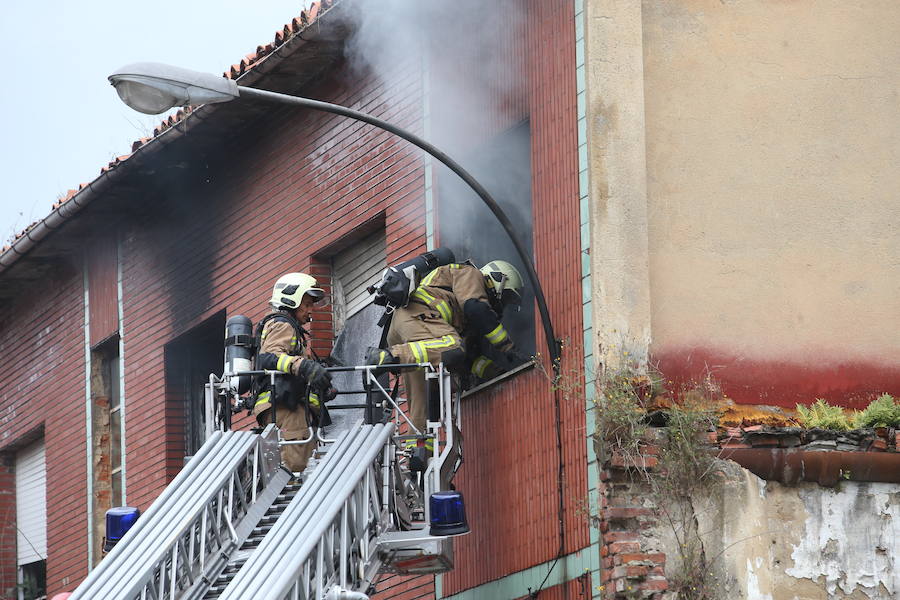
[354,269]
[31,504]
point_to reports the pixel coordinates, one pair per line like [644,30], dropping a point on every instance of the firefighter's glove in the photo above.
[267,361]
[380,357]
[509,359]
[315,374]
[329,394]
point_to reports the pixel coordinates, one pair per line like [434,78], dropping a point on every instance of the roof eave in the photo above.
[245,73]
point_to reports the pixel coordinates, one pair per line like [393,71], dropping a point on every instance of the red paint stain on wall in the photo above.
[780,383]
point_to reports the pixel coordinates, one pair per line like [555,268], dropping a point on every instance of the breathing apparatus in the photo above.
[400,281]
[240,346]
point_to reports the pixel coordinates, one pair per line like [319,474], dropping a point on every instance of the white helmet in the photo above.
[505,281]
[290,288]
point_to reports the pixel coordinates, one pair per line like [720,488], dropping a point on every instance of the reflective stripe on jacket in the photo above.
[446,290]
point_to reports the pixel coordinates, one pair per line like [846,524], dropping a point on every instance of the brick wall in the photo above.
[7,526]
[291,189]
[44,391]
[631,567]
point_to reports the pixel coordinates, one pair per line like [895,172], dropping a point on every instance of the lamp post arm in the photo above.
[552,343]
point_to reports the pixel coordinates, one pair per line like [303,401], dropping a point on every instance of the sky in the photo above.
[62,121]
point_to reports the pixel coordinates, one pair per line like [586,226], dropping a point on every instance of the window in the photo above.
[33,581]
[355,317]
[115,427]
[107,418]
[106,436]
[470,229]
[353,270]
[189,360]
[31,520]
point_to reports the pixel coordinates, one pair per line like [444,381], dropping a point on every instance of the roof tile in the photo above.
[281,36]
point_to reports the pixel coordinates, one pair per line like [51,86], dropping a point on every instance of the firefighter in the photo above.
[283,346]
[452,303]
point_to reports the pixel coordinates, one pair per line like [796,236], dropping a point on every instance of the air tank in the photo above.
[239,351]
[398,282]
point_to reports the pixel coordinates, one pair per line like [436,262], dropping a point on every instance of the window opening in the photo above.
[189,359]
[31,520]
[466,224]
[106,428]
[353,270]
[355,317]
[115,427]
[33,580]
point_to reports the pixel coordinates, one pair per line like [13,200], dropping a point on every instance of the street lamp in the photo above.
[154,88]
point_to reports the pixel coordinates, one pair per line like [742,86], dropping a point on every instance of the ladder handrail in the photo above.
[193,518]
[104,568]
[341,497]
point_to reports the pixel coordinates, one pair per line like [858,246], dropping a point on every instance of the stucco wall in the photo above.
[768,541]
[772,139]
[614,107]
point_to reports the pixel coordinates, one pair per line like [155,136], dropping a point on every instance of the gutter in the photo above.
[827,468]
[112,174]
[71,207]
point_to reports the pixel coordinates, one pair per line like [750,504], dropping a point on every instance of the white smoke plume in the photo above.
[463,44]
[472,56]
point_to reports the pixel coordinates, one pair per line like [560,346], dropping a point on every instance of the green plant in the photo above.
[621,419]
[684,458]
[821,415]
[884,411]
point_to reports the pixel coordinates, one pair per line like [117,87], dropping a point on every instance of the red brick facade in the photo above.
[43,394]
[7,525]
[284,195]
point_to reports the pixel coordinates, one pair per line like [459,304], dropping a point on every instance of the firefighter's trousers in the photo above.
[293,426]
[418,334]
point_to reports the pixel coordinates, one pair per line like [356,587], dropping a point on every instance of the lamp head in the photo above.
[154,88]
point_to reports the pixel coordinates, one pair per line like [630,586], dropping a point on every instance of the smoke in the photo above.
[472,56]
[467,47]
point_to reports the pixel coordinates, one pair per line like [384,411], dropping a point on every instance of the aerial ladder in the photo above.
[235,524]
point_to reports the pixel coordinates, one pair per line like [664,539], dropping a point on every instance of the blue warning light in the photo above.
[448,514]
[118,521]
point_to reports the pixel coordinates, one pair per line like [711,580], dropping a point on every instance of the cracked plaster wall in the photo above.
[768,541]
[772,144]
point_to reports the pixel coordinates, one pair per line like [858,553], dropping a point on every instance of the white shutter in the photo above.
[354,269]
[31,504]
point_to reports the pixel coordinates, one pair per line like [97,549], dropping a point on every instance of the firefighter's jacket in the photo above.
[280,338]
[447,289]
